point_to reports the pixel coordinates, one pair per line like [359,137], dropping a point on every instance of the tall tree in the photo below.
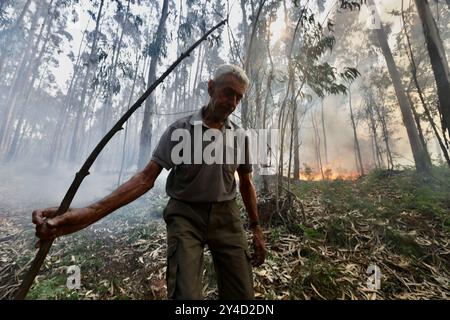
[359,163]
[438,59]
[21,73]
[8,40]
[418,150]
[147,123]
[91,63]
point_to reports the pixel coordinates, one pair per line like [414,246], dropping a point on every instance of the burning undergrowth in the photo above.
[320,244]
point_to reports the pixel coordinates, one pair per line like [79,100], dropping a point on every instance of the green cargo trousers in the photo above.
[218,224]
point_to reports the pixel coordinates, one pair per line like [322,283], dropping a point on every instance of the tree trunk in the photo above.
[418,151]
[413,64]
[122,163]
[16,25]
[62,124]
[382,118]
[296,168]
[438,60]
[324,134]
[147,125]
[24,108]
[373,127]
[359,163]
[87,79]
[317,145]
[247,68]
[418,124]
[107,107]
[17,82]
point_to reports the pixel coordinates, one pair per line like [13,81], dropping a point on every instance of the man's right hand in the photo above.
[49,227]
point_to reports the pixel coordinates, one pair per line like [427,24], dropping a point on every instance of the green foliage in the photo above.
[322,78]
[52,289]
[185,31]
[349,74]
[316,272]
[276,232]
[339,233]
[308,232]
[351,5]
[388,193]
[303,188]
[403,243]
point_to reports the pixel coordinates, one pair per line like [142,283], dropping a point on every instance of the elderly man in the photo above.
[202,208]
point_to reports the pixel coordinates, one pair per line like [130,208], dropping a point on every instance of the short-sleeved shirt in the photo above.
[199,182]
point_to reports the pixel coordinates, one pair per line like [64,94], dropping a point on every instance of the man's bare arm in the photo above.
[49,227]
[129,191]
[248,193]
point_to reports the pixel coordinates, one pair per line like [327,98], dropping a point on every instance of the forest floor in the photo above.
[395,220]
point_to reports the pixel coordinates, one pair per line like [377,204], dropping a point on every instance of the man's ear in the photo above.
[211,86]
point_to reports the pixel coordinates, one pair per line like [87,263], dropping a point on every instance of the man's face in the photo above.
[225,95]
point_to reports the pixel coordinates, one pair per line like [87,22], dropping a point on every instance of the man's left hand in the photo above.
[259,247]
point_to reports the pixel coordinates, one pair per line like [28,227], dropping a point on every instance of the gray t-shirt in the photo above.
[200,182]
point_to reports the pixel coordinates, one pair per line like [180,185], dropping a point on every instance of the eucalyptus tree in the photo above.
[421,159]
[421,70]
[40,72]
[11,30]
[90,65]
[155,50]
[19,71]
[308,70]
[438,60]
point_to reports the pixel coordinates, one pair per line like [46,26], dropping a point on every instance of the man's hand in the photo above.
[259,246]
[49,227]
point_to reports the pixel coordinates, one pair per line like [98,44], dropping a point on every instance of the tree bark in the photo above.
[122,163]
[373,127]
[420,159]
[18,81]
[147,123]
[317,145]
[61,129]
[90,66]
[16,25]
[247,68]
[107,107]
[324,134]
[413,64]
[382,118]
[439,61]
[359,163]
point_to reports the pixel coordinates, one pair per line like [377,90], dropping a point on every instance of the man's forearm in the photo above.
[126,193]
[248,193]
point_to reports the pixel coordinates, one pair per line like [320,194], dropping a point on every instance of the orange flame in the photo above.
[329,174]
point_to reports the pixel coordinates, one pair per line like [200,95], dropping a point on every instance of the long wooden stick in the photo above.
[84,171]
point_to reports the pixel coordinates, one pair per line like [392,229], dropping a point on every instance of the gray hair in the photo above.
[226,69]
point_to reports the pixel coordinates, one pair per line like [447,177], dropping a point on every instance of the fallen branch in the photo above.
[84,171]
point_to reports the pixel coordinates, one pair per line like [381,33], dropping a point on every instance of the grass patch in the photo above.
[309,233]
[338,231]
[317,273]
[52,289]
[402,243]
